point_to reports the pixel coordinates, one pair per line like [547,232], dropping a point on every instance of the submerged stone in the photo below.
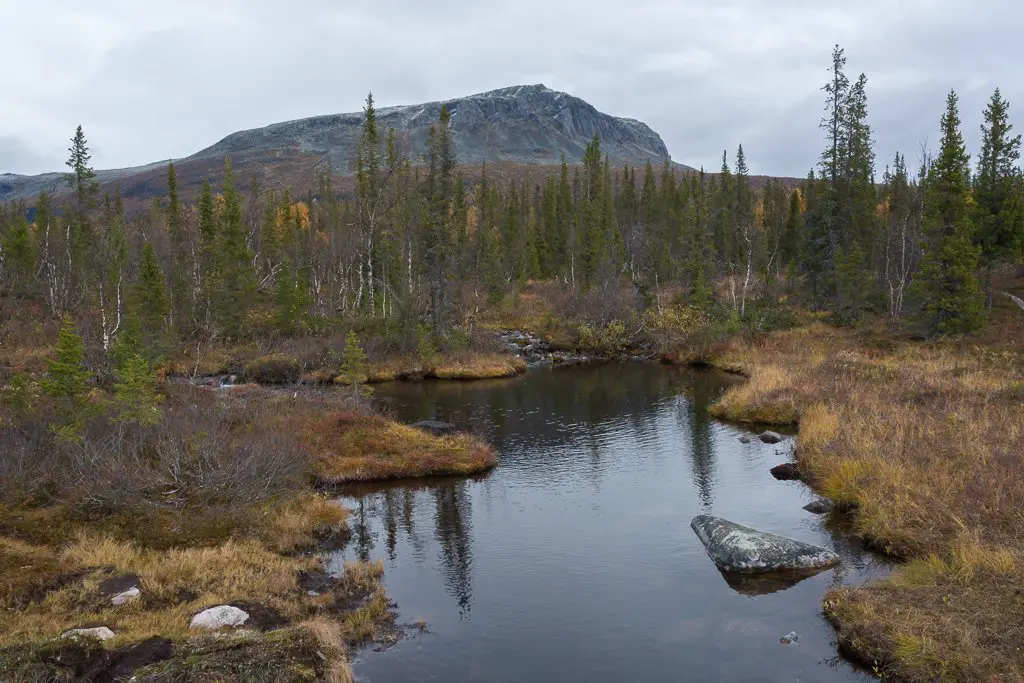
[737,548]
[771,437]
[819,507]
[786,472]
[435,427]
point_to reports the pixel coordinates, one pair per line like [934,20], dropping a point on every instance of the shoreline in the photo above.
[253,557]
[878,422]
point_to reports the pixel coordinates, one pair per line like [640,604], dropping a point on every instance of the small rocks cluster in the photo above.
[735,548]
[535,350]
[123,589]
[212,619]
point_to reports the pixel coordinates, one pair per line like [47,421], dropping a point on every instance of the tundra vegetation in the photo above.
[867,307]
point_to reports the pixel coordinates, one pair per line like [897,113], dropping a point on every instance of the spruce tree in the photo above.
[353,364]
[950,296]
[999,215]
[66,372]
[82,181]
[436,239]
[701,257]
[82,176]
[66,380]
[235,281]
[136,398]
[591,221]
[207,253]
[151,300]
[180,280]
[19,250]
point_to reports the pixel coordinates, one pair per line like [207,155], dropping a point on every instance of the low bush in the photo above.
[276,368]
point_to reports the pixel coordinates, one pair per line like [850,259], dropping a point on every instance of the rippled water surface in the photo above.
[573,560]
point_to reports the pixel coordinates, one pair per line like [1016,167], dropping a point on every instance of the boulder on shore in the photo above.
[786,472]
[737,548]
[100,633]
[771,437]
[435,427]
[222,616]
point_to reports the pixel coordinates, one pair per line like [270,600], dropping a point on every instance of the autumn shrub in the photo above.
[275,368]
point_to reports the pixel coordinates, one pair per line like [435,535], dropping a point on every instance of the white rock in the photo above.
[100,632]
[127,596]
[222,616]
[738,548]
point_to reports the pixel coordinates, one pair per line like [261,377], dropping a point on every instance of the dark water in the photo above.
[573,560]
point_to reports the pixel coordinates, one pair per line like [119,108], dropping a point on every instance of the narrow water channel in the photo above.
[573,560]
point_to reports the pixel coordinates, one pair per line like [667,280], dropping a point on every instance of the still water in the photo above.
[573,560]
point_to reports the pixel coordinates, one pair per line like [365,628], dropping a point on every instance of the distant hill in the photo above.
[520,125]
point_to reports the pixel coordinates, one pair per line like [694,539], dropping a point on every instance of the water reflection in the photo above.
[763,584]
[573,559]
[453,530]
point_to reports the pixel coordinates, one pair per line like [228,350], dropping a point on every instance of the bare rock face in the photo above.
[529,124]
[222,616]
[737,548]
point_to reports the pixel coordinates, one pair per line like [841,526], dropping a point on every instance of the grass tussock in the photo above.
[349,446]
[920,443]
[476,366]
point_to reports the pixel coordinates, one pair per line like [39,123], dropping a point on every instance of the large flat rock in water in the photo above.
[738,548]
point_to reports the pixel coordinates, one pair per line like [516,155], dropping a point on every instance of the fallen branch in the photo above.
[1016,299]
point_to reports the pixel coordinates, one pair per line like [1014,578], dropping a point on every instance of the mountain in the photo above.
[526,124]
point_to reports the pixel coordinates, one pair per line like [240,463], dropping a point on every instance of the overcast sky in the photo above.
[151,81]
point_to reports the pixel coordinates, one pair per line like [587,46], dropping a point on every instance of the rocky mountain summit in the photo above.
[529,124]
[524,124]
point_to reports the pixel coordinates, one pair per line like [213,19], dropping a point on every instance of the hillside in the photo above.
[527,124]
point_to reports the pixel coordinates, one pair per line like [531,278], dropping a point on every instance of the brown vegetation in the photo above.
[349,446]
[920,444]
[212,505]
[476,366]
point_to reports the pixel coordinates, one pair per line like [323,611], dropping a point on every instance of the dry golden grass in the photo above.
[467,365]
[353,447]
[326,636]
[921,443]
[301,522]
[25,570]
[476,366]
[177,583]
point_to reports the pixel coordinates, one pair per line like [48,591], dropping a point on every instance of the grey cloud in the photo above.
[151,85]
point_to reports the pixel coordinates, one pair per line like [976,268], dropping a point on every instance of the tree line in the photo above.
[415,245]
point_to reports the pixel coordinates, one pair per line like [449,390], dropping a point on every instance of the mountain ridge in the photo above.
[520,124]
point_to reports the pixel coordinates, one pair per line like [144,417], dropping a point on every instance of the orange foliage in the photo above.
[294,215]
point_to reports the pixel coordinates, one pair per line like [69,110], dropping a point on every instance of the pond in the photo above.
[573,560]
